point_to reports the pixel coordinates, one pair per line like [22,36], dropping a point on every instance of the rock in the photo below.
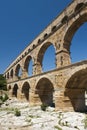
[33,118]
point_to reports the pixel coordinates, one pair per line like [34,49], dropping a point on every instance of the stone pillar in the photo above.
[62,58]
[34,98]
[62,54]
[10,93]
[62,103]
[11,79]
[19,94]
[24,73]
[15,77]
[37,69]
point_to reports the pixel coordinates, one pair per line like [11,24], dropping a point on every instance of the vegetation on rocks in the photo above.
[2,82]
[44,106]
[3,98]
[17,112]
[85,122]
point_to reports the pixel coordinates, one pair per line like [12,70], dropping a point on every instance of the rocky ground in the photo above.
[33,118]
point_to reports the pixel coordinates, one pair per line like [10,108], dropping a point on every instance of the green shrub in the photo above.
[85,122]
[57,127]
[4,97]
[1,102]
[0,97]
[43,107]
[17,112]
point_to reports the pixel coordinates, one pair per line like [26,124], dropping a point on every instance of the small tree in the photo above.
[2,82]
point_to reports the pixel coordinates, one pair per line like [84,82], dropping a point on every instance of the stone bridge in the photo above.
[63,87]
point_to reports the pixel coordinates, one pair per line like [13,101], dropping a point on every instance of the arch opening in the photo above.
[8,75]
[65,19]
[79,47]
[11,73]
[79,7]
[9,87]
[15,89]
[46,57]
[75,39]
[45,91]
[28,66]
[76,90]
[25,90]
[18,71]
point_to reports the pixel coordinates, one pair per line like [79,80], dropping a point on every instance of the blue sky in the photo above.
[22,20]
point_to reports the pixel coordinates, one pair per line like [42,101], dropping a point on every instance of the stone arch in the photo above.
[45,89]
[77,79]
[54,28]
[25,90]
[75,90]
[45,35]
[11,73]
[5,76]
[39,41]
[65,19]
[26,64]
[79,7]
[34,46]
[15,89]
[69,34]
[9,87]
[8,75]
[41,53]
[18,71]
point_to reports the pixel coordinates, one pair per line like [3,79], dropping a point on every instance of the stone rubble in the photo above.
[33,118]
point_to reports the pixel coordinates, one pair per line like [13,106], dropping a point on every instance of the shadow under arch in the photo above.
[76,90]
[25,90]
[11,73]
[15,89]
[9,87]
[45,89]
[41,54]
[8,75]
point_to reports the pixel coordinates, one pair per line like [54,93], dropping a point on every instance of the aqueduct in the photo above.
[64,86]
